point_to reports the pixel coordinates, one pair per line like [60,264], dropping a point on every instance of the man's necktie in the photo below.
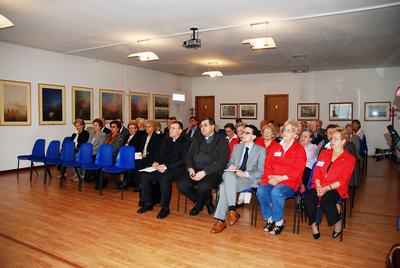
[244,162]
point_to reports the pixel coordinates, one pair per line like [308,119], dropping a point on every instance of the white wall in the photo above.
[40,66]
[357,86]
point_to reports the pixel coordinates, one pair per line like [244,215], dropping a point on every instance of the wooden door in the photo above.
[276,107]
[205,107]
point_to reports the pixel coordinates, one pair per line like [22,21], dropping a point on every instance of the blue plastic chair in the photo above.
[84,157]
[52,158]
[103,159]
[125,162]
[36,156]
[67,159]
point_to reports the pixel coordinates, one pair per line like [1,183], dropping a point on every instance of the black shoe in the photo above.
[195,211]
[123,185]
[317,235]
[210,209]
[145,209]
[164,212]
[336,234]
[136,189]
[269,226]
[278,228]
[239,205]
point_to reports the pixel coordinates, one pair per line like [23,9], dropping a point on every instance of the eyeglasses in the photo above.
[287,130]
[204,125]
[247,133]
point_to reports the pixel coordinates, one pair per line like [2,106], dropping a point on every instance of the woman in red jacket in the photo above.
[267,140]
[331,177]
[283,170]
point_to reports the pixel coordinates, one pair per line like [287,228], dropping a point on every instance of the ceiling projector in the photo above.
[195,42]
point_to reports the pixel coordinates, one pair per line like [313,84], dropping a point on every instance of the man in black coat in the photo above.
[205,162]
[168,164]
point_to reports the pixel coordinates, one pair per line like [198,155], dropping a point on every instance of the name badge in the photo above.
[320,164]
[278,154]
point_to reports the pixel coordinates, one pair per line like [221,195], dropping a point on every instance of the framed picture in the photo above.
[82,103]
[160,106]
[15,103]
[111,104]
[307,111]
[228,111]
[248,110]
[51,104]
[377,111]
[341,111]
[139,105]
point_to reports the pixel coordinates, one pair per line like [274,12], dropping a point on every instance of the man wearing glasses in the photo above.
[205,162]
[244,171]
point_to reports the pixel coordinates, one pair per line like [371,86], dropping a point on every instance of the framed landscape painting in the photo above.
[51,104]
[341,111]
[307,111]
[161,106]
[15,103]
[248,110]
[111,104]
[228,111]
[82,103]
[139,105]
[377,111]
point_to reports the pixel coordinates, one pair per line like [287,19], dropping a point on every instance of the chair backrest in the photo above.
[126,158]
[68,151]
[38,148]
[104,155]
[85,154]
[53,151]
[310,183]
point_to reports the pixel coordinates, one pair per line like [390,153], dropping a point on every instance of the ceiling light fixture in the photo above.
[144,56]
[260,43]
[299,64]
[5,23]
[213,73]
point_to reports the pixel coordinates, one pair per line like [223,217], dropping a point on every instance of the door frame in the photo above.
[265,103]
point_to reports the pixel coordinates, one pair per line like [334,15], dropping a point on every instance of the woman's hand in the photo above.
[322,190]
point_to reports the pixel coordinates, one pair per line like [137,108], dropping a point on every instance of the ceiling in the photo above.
[354,35]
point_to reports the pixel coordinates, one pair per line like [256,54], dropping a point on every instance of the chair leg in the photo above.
[179,199]
[343,219]
[62,176]
[35,169]
[45,174]
[255,213]
[101,183]
[81,177]
[30,174]
[186,204]
[18,172]
[295,214]
[122,190]
[298,213]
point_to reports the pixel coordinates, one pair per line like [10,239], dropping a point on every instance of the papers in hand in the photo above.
[138,155]
[233,170]
[148,169]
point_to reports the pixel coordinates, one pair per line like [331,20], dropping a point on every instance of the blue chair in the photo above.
[84,157]
[125,162]
[67,159]
[52,158]
[36,156]
[103,159]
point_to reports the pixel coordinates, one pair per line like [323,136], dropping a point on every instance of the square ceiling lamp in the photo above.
[260,43]
[144,56]
[5,23]
[213,73]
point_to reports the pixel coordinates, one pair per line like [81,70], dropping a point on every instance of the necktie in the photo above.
[244,162]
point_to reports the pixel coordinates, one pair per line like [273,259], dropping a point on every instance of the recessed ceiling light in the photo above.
[213,74]
[260,43]
[144,56]
[5,23]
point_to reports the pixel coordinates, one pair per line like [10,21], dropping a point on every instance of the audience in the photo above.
[96,136]
[231,136]
[193,128]
[115,137]
[267,139]
[325,143]
[169,121]
[311,153]
[80,135]
[317,136]
[104,129]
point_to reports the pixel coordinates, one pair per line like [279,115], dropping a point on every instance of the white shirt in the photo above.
[282,143]
[312,154]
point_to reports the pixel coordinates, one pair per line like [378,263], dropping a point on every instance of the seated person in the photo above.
[205,162]
[245,166]
[80,135]
[267,139]
[169,164]
[231,136]
[193,129]
[115,137]
[151,145]
[325,143]
[330,182]
[283,171]
[97,138]
[312,154]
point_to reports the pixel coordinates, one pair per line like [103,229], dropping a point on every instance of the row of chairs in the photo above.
[81,162]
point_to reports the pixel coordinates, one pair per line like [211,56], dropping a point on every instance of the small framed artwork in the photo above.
[377,111]
[228,111]
[161,106]
[51,104]
[307,111]
[82,103]
[341,111]
[139,105]
[248,110]
[15,103]
[111,104]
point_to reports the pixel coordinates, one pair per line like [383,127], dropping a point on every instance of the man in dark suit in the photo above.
[169,164]
[317,137]
[245,169]
[193,129]
[170,120]
[124,131]
[105,129]
[205,162]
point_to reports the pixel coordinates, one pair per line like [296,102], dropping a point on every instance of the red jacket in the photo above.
[340,170]
[291,163]
[232,143]
[260,141]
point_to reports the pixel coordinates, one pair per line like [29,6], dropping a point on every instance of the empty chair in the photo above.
[36,156]
[52,158]
[67,159]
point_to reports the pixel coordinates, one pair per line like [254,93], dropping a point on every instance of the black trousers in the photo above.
[327,204]
[306,176]
[198,191]
[164,180]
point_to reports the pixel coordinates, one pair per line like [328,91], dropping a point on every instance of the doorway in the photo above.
[276,107]
[205,107]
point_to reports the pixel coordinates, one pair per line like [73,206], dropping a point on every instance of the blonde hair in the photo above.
[79,122]
[296,126]
[344,135]
[133,123]
[270,127]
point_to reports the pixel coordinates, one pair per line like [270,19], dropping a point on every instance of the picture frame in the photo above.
[82,104]
[139,104]
[307,111]
[340,111]
[248,110]
[15,103]
[111,104]
[161,104]
[228,111]
[51,104]
[377,111]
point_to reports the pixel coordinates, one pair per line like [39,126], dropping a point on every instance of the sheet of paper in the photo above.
[247,197]
[138,155]
[231,170]
[149,169]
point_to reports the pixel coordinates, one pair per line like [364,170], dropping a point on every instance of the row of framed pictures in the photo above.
[15,103]
[343,111]
[238,110]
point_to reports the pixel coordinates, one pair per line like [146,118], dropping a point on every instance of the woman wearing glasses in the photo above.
[330,180]
[267,139]
[282,176]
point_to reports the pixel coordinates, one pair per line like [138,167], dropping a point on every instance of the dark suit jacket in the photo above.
[82,138]
[107,130]
[173,154]
[125,132]
[152,148]
[195,134]
[136,141]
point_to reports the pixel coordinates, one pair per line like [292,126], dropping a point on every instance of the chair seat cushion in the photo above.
[51,161]
[24,157]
